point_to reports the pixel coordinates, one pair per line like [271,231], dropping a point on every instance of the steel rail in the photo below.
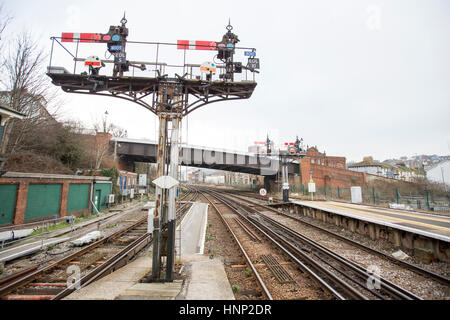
[31,276]
[118,260]
[314,267]
[438,277]
[385,285]
[13,277]
[181,212]
[255,272]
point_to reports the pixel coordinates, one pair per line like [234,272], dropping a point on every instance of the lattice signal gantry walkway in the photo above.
[136,89]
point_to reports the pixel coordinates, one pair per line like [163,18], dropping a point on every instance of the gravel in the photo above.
[43,258]
[408,279]
[303,287]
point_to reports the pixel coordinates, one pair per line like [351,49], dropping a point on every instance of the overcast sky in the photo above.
[355,78]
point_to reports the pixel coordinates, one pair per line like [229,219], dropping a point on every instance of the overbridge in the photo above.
[140,150]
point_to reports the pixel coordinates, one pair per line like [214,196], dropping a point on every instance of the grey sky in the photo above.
[354,78]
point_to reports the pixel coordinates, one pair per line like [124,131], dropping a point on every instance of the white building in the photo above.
[440,172]
[215,179]
[368,165]
[237,178]
[395,171]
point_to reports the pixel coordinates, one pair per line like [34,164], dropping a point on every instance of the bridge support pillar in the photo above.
[267,184]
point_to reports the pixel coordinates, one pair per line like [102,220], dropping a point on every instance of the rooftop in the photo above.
[4,109]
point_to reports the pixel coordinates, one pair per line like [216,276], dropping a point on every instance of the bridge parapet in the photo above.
[198,156]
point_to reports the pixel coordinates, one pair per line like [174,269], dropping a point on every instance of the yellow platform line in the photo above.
[421,216]
[391,218]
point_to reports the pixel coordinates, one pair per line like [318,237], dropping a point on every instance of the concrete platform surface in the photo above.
[152,291]
[113,285]
[433,226]
[205,278]
[193,229]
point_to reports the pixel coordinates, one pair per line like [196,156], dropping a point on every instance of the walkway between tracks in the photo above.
[205,278]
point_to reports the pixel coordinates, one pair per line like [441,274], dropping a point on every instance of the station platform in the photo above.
[426,235]
[433,226]
[205,278]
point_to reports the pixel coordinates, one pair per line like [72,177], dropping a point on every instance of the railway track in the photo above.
[340,277]
[185,203]
[93,261]
[417,269]
[260,281]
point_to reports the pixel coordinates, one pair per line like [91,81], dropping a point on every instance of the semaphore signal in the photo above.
[167,97]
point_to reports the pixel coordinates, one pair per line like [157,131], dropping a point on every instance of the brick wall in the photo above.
[329,176]
[322,159]
[22,195]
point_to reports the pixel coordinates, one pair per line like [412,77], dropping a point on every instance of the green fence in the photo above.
[78,198]
[422,199]
[43,200]
[8,194]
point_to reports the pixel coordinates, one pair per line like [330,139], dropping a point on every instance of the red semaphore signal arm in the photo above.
[85,37]
[196,45]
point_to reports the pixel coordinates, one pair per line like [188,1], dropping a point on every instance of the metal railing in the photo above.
[43,225]
[77,51]
[419,200]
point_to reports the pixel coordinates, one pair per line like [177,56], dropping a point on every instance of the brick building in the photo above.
[320,158]
[31,197]
[327,171]
[127,181]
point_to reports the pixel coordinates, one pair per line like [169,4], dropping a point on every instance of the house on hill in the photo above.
[385,169]
[7,113]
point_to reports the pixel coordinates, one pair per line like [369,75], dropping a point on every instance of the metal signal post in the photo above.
[294,151]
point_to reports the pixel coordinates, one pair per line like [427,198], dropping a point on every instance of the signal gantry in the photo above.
[170,98]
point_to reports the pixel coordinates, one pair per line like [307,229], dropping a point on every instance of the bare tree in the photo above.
[5,19]
[26,90]
[111,128]
[118,132]
[104,131]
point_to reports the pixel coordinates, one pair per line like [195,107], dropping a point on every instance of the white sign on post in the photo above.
[356,194]
[165,182]
[142,180]
[312,189]
[262,192]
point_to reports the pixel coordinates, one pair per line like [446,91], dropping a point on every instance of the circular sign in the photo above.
[230,46]
[262,192]
[115,37]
